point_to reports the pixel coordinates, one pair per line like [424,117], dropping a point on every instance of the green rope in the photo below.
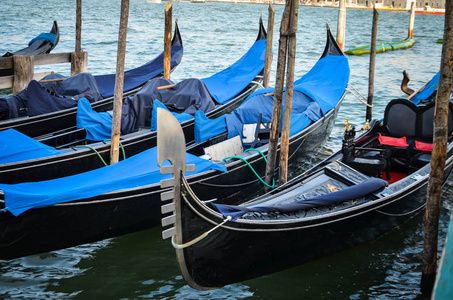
[89,147]
[121,146]
[243,159]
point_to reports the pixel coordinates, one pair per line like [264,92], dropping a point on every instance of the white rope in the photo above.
[199,238]
[357,95]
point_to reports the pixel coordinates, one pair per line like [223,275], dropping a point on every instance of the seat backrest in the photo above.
[427,120]
[400,118]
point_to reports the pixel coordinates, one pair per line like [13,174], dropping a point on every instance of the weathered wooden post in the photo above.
[278,95]
[438,156]
[167,40]
[341,28]
[119,83]
[269,41]
[411,21]
[78,57]
[369,110]
[24,68]
[284,147]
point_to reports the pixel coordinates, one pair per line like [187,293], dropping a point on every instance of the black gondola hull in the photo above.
[114,214]
[240,251]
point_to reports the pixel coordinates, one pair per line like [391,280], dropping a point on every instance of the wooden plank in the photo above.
[53,58]
[6,63]
[6,82]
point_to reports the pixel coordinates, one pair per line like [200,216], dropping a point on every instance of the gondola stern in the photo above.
[332,47]
[55,30]
[262,34]
[177,40]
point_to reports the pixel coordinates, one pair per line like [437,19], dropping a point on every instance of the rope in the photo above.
[121,146]
[402,215]
[357,95]
[89,147]
[199,238]
[258,84]
[244,160]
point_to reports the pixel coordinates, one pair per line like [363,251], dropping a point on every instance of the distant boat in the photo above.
[154,1]
[429,10]
[197,1]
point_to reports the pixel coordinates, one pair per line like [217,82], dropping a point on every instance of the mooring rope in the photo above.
[402,215]
[199,238]
[244,160]
[95,151]
[357,95]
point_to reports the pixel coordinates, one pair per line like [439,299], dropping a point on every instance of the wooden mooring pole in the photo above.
[438,156]
[79,58]
[411,21]
[278,95]
[341,28]
[167,40]
[269,41]
[284,148]
[119,83]
[369,109]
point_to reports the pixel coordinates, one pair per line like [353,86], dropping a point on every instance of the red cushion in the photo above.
[423,146]
[391,141]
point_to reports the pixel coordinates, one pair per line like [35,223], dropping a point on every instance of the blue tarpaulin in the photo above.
[314,94]
[428,90]
[45,36]
[139,170]
[350,193]
[16,146]
[228,83]
[190,95]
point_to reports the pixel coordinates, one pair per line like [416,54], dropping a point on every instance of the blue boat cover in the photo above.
[315,93]
[98,126]
[187,97]
[227,84]
[16,146]
[136,77]
[45,36]
[428,90]
[181,117]
[350,193]
[139,170]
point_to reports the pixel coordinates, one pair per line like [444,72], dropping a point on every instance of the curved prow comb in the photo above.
[171,146]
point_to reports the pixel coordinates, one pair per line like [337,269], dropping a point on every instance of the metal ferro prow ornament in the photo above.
[171,146]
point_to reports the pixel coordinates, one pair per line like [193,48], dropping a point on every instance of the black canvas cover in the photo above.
[188,96]
[36,99]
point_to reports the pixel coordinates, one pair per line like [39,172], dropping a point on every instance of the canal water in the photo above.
[142,265]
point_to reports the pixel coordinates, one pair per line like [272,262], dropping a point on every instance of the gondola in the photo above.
[98,204]
[42,44]
[76,154]
[375,183]
[51,105]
